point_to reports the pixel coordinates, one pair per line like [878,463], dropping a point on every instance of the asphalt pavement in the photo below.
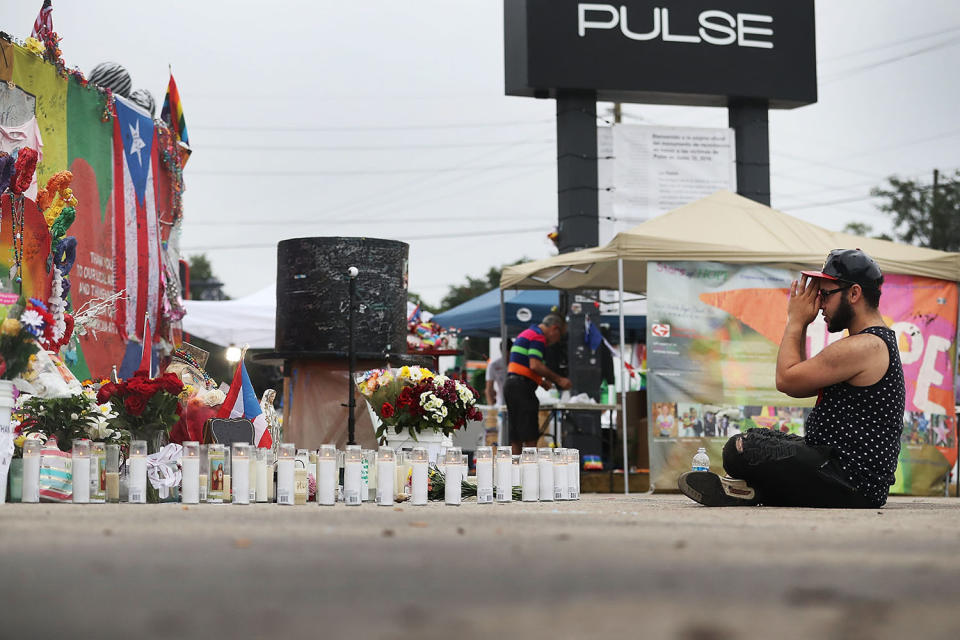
[642,566]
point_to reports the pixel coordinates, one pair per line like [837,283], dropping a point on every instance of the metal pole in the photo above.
[505,355]
[623,381]
[352,358]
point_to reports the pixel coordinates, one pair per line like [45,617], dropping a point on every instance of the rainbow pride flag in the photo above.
[172,112]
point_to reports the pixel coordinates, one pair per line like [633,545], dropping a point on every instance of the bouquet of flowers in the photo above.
[17,344]
[65,418]
[417,399]
[144,405]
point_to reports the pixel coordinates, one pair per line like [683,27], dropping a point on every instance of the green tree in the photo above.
[204,284]
[863,230]
[924,215]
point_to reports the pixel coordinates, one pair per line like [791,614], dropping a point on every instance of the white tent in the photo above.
[724,227]
[250,320]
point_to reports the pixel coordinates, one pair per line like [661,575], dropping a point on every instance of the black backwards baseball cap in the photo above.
[850,265]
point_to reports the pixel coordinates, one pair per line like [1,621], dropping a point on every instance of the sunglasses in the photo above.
[826,294]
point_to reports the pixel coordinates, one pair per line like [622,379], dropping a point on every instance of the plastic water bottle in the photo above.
[701,462]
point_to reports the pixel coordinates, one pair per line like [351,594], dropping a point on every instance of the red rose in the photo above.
[405,399]
[170,382]
[106,392]
[386,411]
[135,404]
[142,387]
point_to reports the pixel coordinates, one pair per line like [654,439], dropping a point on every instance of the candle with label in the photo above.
[529,476]
[353,475]
[240,472]
[545,463]
[327,475]
[368,476]
[504,477]
[419,461]
[452,489]
[31,471]
[484,475]
[215,483]
[227,474]
[252,489]
[386,474]
[285,475]
[98,469]
[190,468]
[137,483]
[573,474]
[113,473]
[560,474]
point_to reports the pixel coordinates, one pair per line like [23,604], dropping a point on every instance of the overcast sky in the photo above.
[388,119]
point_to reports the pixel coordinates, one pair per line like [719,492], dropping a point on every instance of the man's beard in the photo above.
[840,320]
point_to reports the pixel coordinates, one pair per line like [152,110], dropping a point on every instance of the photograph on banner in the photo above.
[713,335]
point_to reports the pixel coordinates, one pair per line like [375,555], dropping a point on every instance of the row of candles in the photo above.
[210,475]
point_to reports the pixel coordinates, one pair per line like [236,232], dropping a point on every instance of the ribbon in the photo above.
[158,469]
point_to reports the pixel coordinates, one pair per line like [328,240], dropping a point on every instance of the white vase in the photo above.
[6,404]
[434,442]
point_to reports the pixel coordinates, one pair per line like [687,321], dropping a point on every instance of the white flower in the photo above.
[74,416]
[31,318]
[443,411]
[439,381]
[438,418]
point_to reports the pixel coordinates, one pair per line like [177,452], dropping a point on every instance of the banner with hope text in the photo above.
[713,331]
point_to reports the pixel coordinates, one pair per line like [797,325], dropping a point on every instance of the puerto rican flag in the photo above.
[136,233]
[242,402]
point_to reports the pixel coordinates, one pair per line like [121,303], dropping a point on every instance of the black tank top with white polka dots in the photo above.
[864,425]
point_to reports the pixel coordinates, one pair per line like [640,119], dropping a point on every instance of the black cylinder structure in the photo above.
[313,293]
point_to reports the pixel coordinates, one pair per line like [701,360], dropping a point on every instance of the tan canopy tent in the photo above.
[724,227]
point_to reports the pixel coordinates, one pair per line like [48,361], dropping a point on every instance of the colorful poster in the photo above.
[712,340]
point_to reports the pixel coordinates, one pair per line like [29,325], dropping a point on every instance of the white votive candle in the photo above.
[327,475]
[484,475]
[504,477]
[81,471]
[98,472]
[515,472]
[419,461]
[545,463]
[204,481]
[452,489]
[31,471]
[285,473]
[560,474]
[353,481]
[264,475]
[386,475]
[240,473]
[529,483]
[137,483]
[190,468]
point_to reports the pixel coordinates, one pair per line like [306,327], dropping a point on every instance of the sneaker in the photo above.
[711,490]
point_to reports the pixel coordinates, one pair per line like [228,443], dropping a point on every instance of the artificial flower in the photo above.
[32,320]
[10,327]
[34,46]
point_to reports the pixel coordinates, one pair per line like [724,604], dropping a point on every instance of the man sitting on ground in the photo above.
[849,454]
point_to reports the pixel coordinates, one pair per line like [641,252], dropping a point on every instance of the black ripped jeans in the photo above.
[787,472]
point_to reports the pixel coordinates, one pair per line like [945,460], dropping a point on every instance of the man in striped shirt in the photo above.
[525,373]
